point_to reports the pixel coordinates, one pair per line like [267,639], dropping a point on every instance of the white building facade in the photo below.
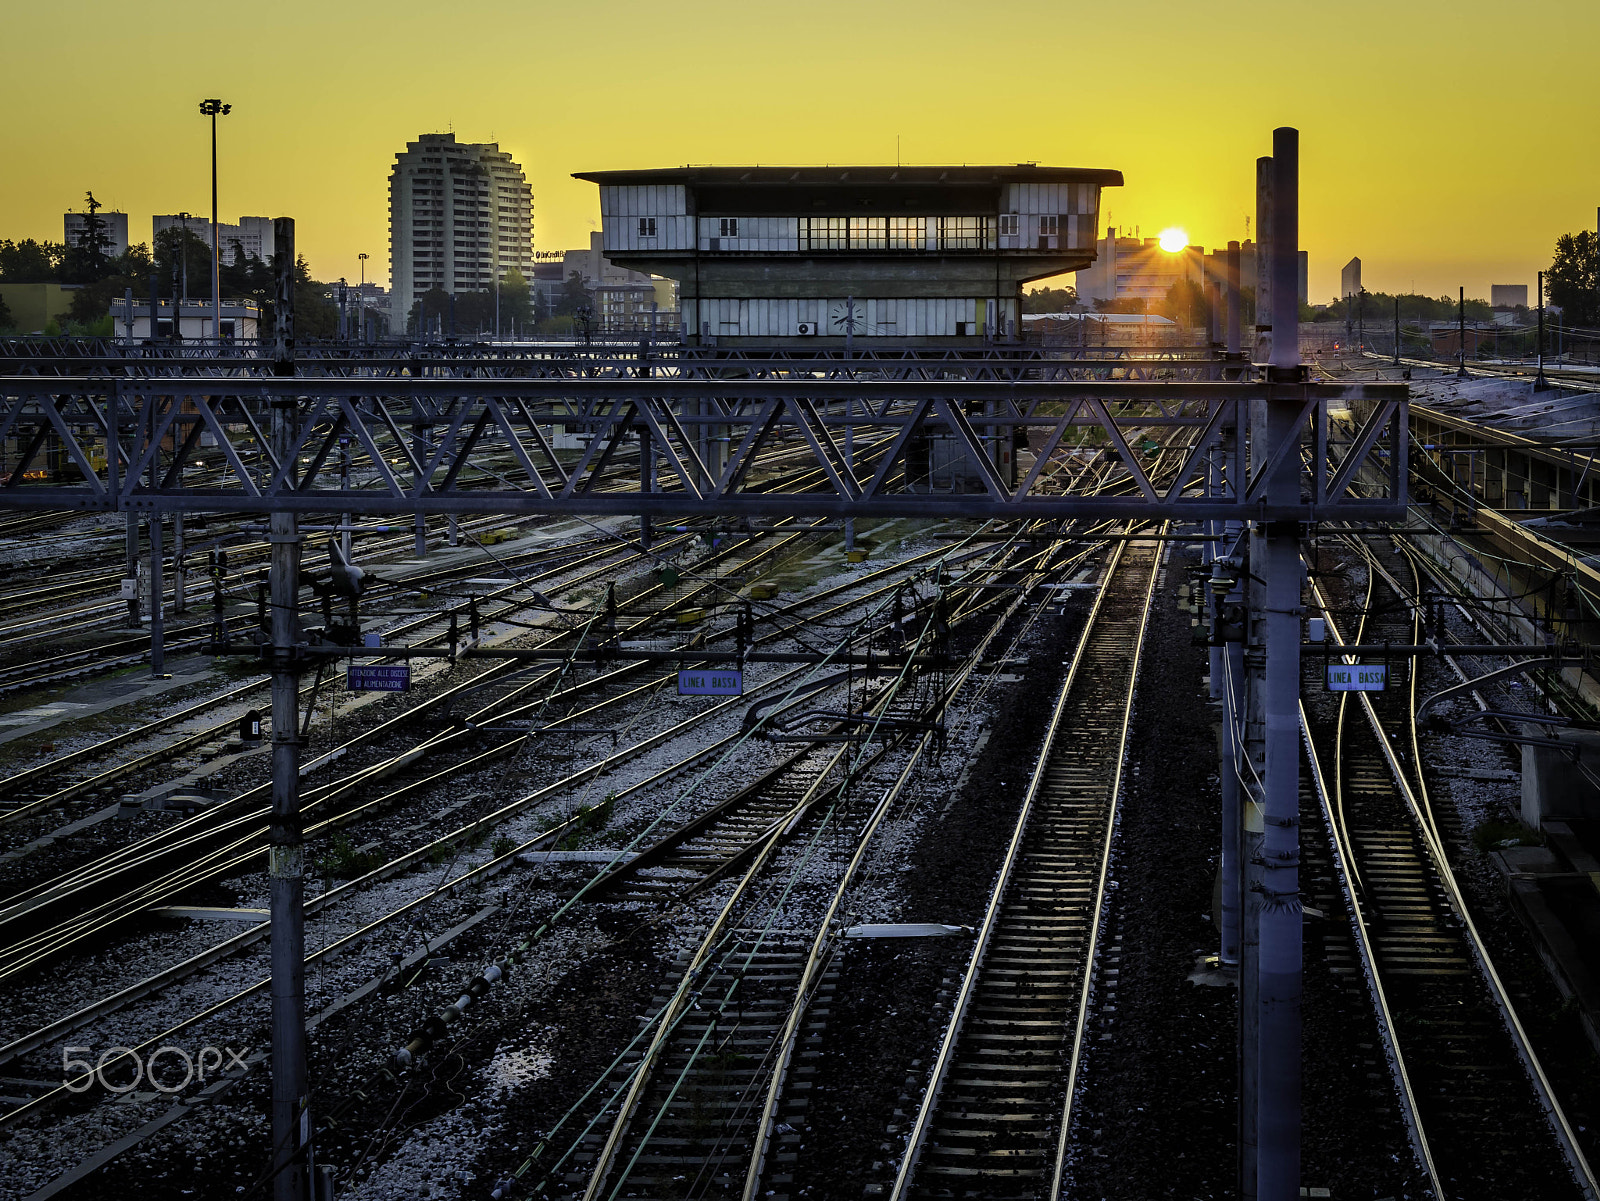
[113,231]
[777,254]
[460,217]
[251,237]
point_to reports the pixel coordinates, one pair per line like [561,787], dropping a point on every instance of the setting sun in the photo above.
[1174,240]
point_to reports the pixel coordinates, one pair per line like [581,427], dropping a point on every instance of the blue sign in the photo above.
[1357,677]
[711,683]
[378,677]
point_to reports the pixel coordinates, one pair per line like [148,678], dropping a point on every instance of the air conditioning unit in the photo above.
[806,329]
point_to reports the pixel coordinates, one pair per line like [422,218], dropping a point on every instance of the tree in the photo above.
[432,304]
[128,272]
[1122,304]
[178,249]
[1573,281]
[315,316]
[1186,304]
[516,302]
[5,314]
[574,296]
[30,262]
[1050,300]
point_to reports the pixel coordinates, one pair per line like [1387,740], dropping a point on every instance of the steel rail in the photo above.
[764,848]
[824,943]
[101,779]
[45,942]
[155,983]
[1347,871]
[944,1060]
[758,852]
[1555,1115]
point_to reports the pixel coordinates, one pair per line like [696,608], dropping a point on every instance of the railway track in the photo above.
[696,1101]
[996,1113]
[30,791]
[808,1024]
[62,1029]
[1484,1118]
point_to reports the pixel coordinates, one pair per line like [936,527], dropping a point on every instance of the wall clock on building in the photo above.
[847,317]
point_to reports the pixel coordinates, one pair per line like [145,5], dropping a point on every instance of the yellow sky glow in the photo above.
[1444,144]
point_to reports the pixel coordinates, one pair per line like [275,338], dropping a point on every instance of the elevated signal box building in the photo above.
[816,255]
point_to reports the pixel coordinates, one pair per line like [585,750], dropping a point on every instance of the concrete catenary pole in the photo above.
[286,840]
[1278,1127]
[1461,335]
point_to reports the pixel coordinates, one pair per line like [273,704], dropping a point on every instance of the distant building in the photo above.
[595,269]
[546,282]
[460,217]
[1132,267]
[629,308]
[1103,329]
[1508,296]
[113,231]
[781,254]
[241,320]
[251,237]
[1350,279]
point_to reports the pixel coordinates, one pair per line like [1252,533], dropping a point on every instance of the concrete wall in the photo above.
[1554,788]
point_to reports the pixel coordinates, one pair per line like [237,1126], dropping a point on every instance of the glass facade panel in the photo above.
[869,233]
[908,233]
[966,233]
[824,233]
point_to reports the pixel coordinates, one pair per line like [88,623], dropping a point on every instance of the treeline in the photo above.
[521,310]
[180,265]
[1378,308]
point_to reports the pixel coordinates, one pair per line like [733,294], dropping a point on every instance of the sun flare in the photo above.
[1174,240]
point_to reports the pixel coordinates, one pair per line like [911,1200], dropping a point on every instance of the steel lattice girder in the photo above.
[442,446]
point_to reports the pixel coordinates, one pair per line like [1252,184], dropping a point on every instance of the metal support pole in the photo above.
[158,623]
[1250,721]
[1461,335]
[647,482]
[130,565]
[216,257]
[180,597]
[286,845]
[1397,331]
[1539,382]
[344,486]
[1226,680]
[1233,298]
[1278,1100]
[1263,343]
[850,467]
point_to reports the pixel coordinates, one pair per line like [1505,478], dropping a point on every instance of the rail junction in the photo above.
[881,915]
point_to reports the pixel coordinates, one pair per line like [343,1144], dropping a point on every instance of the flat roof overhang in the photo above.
[857,191]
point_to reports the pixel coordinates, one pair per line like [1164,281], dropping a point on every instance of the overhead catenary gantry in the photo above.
[678,448]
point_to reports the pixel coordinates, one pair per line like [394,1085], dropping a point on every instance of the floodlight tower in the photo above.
[214,109]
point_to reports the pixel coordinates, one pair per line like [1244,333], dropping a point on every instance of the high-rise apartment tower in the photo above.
[460,217]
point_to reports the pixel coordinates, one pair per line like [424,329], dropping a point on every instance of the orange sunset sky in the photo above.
[1446,144]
